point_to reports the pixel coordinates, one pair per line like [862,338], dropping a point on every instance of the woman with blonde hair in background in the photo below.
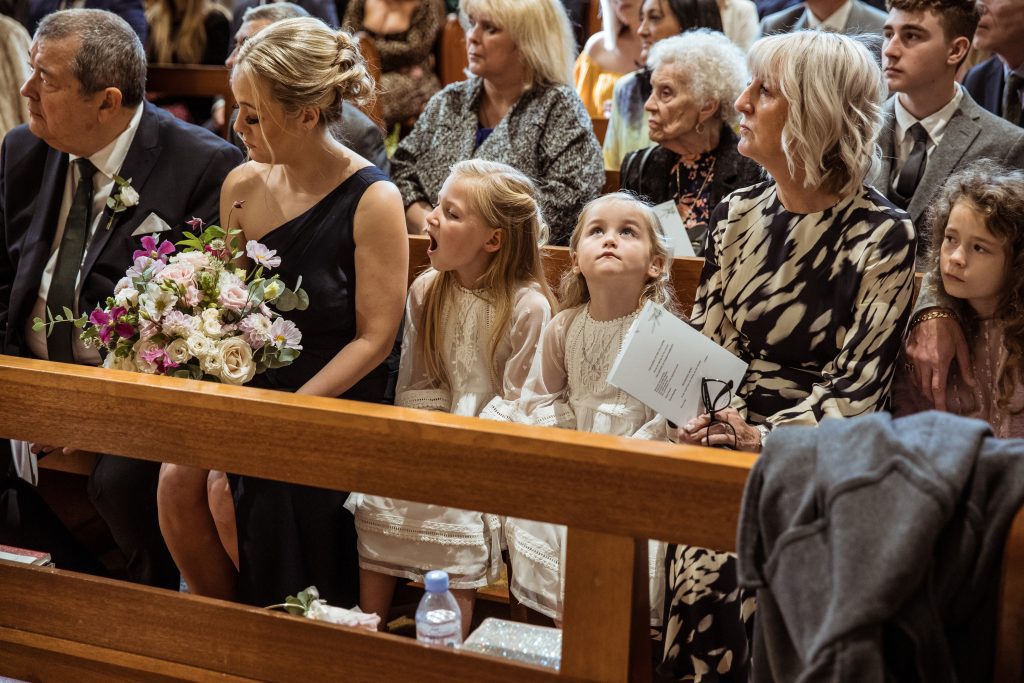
[334,220]
[518,107]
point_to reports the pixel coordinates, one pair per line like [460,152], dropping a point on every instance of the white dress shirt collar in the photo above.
[834,22]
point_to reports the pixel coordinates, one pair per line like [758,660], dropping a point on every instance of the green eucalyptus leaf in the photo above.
[303,300]
[287,301]
[37,324]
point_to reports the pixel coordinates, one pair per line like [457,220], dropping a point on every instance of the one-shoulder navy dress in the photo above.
[291,536]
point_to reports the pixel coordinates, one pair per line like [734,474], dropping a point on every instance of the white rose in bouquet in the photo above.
[200,346]
[210,323]
[237,366]
[178,352]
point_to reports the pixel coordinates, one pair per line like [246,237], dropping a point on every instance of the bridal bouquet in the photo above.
[193,313]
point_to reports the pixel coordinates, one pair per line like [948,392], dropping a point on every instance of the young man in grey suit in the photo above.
[925,42]
[932,126]
[60,246]
[852,17]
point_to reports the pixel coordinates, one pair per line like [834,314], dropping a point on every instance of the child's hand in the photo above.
[700,431]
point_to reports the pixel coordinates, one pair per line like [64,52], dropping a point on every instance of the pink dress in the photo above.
[988,358]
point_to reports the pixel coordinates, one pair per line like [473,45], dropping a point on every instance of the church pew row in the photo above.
[105,629]
[685,278]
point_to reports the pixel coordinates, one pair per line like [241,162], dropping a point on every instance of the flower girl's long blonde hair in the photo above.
[505,200]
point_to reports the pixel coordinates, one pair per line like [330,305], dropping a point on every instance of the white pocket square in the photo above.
[153,223]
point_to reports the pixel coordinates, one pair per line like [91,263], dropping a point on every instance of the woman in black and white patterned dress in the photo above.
[808,277]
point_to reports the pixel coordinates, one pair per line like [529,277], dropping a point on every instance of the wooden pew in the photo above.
[193,81]
[451,52]
[600,129]
[66,626]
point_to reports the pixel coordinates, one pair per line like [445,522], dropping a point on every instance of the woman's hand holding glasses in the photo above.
[727,429]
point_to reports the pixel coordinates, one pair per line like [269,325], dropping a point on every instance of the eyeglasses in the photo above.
[717,396]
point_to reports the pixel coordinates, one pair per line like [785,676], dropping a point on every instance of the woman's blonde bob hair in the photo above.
[539,29]
[833,87]
[572,289]
[305,63]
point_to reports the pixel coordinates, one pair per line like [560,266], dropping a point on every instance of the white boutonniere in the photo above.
[123,197]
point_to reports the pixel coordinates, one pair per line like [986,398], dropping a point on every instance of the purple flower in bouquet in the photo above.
[152,249]
[261,255]
[108,323]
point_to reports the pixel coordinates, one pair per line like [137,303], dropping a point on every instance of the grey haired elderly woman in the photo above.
[697,76]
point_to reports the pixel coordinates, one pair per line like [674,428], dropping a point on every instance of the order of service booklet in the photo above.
[663,360]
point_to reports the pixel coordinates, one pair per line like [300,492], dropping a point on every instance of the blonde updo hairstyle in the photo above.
[834,90]
[304,63]
[504,199]
[572,289]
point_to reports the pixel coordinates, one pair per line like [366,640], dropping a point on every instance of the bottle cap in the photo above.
[436,581]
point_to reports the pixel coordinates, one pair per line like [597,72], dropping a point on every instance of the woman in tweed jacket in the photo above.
[518,108]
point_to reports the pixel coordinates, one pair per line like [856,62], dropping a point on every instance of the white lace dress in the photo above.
[408,539]
[568,388]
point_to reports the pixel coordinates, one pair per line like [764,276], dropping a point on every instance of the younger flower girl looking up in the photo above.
[978,245]
[620,260]
[471,330]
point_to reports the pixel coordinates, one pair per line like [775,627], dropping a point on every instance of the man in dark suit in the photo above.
[131,11]
[852,17]
[997,83]
[60,247]
[932,127]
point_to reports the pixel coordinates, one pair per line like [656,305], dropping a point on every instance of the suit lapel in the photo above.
[138,164]
[40,234]
[960,133]
[887,143]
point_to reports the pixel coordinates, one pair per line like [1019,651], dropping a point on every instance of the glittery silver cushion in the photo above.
[522,642]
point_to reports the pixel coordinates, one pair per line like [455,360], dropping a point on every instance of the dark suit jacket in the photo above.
[972,133]
[131,11]
[863,19]
[985,83]
[176,168]
[766,7]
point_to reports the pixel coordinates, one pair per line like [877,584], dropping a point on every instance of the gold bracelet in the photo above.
[932,315]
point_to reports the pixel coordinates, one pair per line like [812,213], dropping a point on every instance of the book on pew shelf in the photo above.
[24,556]
[663,360]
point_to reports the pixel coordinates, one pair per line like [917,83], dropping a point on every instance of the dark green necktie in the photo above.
[60,344]
[1011,99]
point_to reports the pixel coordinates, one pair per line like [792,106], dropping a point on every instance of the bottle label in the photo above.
[439,627]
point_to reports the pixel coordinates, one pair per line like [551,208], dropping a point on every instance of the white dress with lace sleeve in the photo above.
[567,387]
[408,539]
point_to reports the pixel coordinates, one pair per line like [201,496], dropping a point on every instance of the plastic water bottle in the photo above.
[438,618]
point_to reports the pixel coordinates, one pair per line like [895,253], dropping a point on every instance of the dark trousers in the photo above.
[26,521]
[291,537]
[124,493]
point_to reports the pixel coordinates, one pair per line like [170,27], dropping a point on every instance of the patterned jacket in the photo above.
[547,135]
